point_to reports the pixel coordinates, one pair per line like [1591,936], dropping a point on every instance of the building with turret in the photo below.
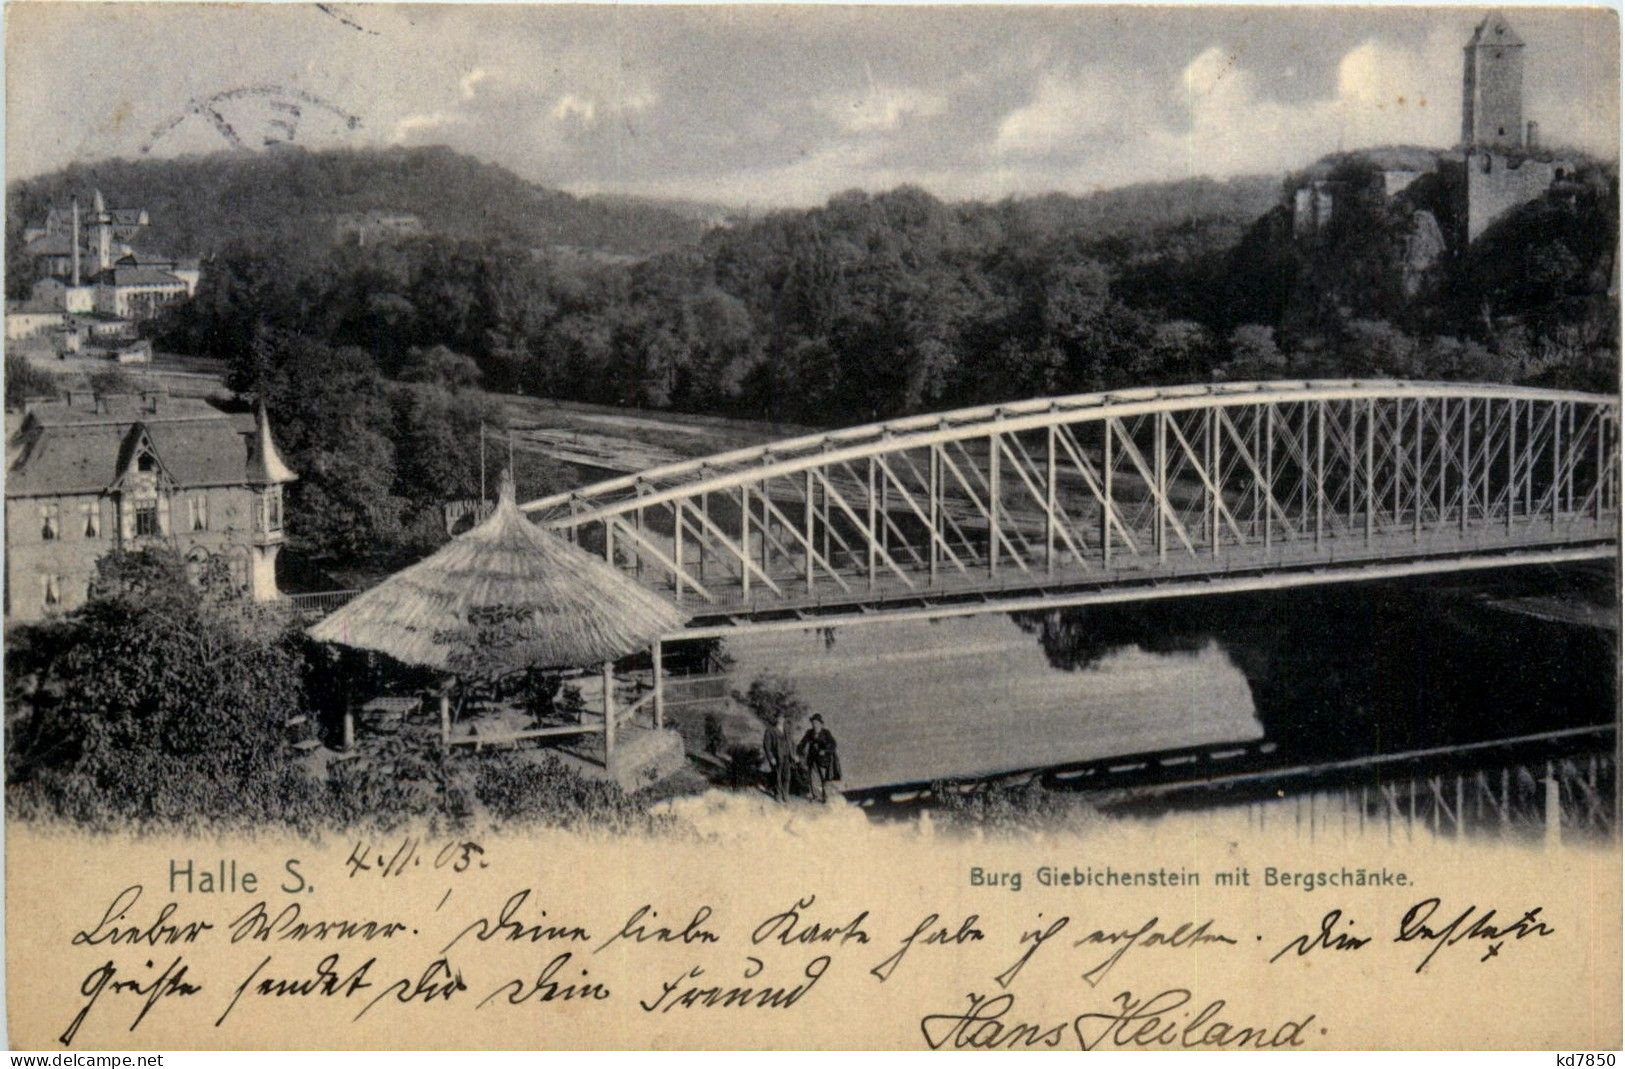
[87,263]
[89,475]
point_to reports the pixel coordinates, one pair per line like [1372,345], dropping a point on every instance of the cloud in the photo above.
[1394,94]
[1067,110]
[1381,94]
[411,126]
[1089,126]
[1215,77]
[883,108]
[571,107]
[471,80]
[788,107]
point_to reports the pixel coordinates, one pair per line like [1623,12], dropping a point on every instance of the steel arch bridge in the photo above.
[1115,496]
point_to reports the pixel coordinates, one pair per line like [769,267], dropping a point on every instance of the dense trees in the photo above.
[161,699]
[376,459]
[867,307]
[25,382]
[876,305]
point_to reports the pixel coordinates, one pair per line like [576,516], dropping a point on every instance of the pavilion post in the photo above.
[445,718]
[609,709]
[660,688]
[349,729]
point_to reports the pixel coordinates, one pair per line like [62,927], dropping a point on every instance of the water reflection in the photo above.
[1323,672]
[1343,671]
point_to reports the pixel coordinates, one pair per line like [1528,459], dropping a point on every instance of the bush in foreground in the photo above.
[516,788]
[161,700]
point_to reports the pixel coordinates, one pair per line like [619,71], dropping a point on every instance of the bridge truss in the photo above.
[1112,497]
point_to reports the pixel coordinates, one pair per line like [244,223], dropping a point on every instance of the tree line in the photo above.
[878,305]
[867,307]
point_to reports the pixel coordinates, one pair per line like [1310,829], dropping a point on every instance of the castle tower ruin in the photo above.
[1492,87]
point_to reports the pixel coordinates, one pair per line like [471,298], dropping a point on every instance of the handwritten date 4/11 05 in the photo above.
[397,859]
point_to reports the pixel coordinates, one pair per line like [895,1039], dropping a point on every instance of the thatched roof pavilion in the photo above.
[504,596]
[562,606]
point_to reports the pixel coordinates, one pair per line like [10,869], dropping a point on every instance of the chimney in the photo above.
[76,242]
[1532,138]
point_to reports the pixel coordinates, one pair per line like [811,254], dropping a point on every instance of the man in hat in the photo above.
[817,748]
[780,756]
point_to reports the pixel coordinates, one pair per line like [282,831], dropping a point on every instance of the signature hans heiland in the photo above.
[1164,1020]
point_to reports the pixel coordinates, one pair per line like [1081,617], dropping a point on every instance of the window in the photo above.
[91,513]
[51,589]
[145,462]
[238,566]
[50,521]
[273,510]
[146,520]
[198,508]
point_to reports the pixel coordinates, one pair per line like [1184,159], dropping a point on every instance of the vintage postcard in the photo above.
[760,527]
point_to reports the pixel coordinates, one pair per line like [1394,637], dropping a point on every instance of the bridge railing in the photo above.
[1133,484]
[318,604]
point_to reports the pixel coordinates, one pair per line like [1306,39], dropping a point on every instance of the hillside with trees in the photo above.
[874,305]
[867,307]
[289,198]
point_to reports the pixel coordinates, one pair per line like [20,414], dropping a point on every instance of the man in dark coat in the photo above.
[817,748]
[781,757]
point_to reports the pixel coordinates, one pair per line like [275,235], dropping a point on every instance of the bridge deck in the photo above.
[1337,557]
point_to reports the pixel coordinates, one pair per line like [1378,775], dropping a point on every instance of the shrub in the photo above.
[156,701]
[771,695]
[541,789]
[403,779]
[1010,808]
[24,382]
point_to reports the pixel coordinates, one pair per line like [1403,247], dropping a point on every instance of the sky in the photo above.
[776,106]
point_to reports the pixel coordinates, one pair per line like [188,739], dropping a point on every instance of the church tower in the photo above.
[1492,87]
[101,233]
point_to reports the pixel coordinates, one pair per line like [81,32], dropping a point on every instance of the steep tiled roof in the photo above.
[63,217]
[51,245]
[139,258]
[67,448]
[144,276]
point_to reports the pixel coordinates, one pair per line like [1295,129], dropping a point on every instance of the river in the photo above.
[1321,673]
